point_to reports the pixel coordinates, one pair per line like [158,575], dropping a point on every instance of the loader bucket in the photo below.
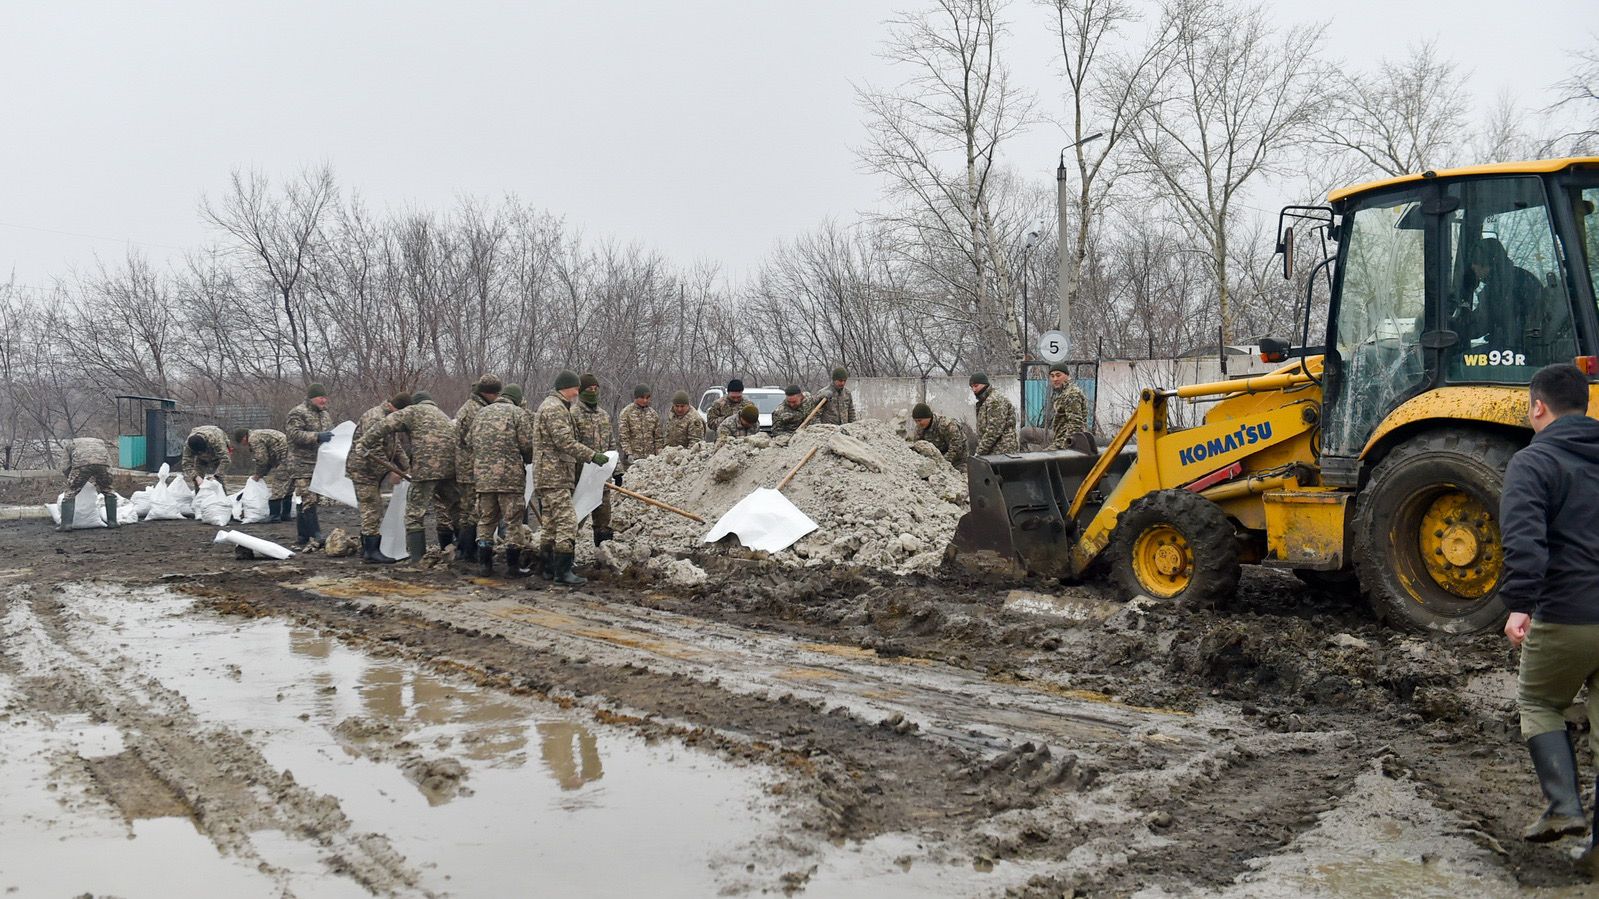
[1017,521]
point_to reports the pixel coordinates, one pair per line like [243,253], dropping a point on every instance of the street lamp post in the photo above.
[1064,271]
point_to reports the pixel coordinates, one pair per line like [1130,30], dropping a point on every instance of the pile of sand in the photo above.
[876,501]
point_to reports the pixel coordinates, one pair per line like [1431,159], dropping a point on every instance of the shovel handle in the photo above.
[653,502]
[795,470]
[394,468]
[815,409]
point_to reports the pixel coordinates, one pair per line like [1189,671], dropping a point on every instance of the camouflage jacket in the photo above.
[270,450]
[641,434]
[556,447]
[947,436]
[592,427]
[720,410]
[1070,408]
[215,457]
[786,419]
[305,422]
[362,465]
[685,430]
[996,424]
[83,451]
[465,471]
[840,408]
[734,426]
[502,443]
[432,439]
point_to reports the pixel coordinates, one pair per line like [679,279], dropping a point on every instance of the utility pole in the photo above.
[1066,274]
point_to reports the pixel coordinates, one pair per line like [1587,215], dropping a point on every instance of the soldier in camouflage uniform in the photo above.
[746,423]
[205,454]
[790,414]
[996,419]
[502,444]
[640,429]
[432,462]
[309,426]
[461,515]
[944,434]
[366,470]
[88,459]
[840,408]
[728,405]
[593,428]
[558,451]
[684,427]
[1068,405]
[269,450]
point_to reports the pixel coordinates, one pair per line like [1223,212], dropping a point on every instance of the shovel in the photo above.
[815,409]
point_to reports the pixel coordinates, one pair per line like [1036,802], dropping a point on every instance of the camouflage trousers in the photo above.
[369,501]
[83,474]
[494,508]
[558,518]
[278,482]
[458,511]
[429,493]
[302,486]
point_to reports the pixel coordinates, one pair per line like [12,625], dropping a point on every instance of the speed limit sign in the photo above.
[1052,346]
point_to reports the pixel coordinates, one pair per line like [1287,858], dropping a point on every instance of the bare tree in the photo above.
[277,235]
[127,326]
[1236,95]
[934,139]
[1406,117]
[1578,97]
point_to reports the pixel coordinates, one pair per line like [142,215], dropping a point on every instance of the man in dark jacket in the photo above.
[1551,587]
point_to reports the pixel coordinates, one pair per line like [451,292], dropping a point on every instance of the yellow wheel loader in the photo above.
[1375,459]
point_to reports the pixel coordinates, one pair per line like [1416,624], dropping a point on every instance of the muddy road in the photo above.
[318,727]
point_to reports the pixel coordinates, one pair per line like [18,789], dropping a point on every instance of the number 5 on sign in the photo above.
[1052,346]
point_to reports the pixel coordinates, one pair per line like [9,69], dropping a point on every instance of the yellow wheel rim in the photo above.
[1163,561]
[1459,544]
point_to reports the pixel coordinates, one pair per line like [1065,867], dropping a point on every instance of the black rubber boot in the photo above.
[547,562]
[466,544]
[278,509]
[69,510]
[313,515]
[416,543]
[563,571]
[1556,765]
[302,531]
[484,554]
[371,552]
[110,510]
[513,563]
[447,538]
[603,534]
[1588,862]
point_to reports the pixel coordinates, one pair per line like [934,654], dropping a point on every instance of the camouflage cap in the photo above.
[488,384]
[749,413]
[640,391]
[566,379]
[588,380]
[921,410]
[314,391]
[680,397]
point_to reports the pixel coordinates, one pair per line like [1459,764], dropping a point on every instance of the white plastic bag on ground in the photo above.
[328,478]
[181,495]
[764,520]
[89,511]
[393,527]
[211,503]
[126,514]
[161,504]
[139,503]
[254,544]
[254,502]
[590,490]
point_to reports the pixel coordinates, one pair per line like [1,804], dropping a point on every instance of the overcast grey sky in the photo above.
[708,129]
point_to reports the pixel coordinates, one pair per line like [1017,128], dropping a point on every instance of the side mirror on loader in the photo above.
[1285,246]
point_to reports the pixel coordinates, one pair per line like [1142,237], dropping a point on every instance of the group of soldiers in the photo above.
[996,420]
[732,416]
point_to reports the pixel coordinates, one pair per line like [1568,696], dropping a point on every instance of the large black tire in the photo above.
[1426,542]
[1175,545]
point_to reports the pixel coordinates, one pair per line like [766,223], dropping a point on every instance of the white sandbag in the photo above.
[328,478]
[393,527]
[89,510]
[139,503]
[254,502]
[181,495]
[764,520]
[211,503]
[590,490]
[254,544]
[126,514]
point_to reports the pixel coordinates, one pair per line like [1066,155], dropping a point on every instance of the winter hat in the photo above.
[1061,367]
[567,378]
[314,391]
[749,413]
[197,444]
[241,434]
[841,374]
[979,378]
[735,386]
[421,396]
[588,380]
[641,390]
[680,397]
[921,410]
[488,384]
[514,392]
[400,400]
[792,390]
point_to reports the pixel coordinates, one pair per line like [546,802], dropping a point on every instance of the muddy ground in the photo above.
[1013,739]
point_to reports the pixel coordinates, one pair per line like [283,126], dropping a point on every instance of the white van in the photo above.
[765,399]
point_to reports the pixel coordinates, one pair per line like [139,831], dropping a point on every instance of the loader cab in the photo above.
[1475,276]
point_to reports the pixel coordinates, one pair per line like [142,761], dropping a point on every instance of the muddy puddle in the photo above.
[152,749]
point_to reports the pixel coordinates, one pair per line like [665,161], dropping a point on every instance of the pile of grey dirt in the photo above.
[877,502]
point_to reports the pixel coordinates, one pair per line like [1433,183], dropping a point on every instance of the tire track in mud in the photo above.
[216,775]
